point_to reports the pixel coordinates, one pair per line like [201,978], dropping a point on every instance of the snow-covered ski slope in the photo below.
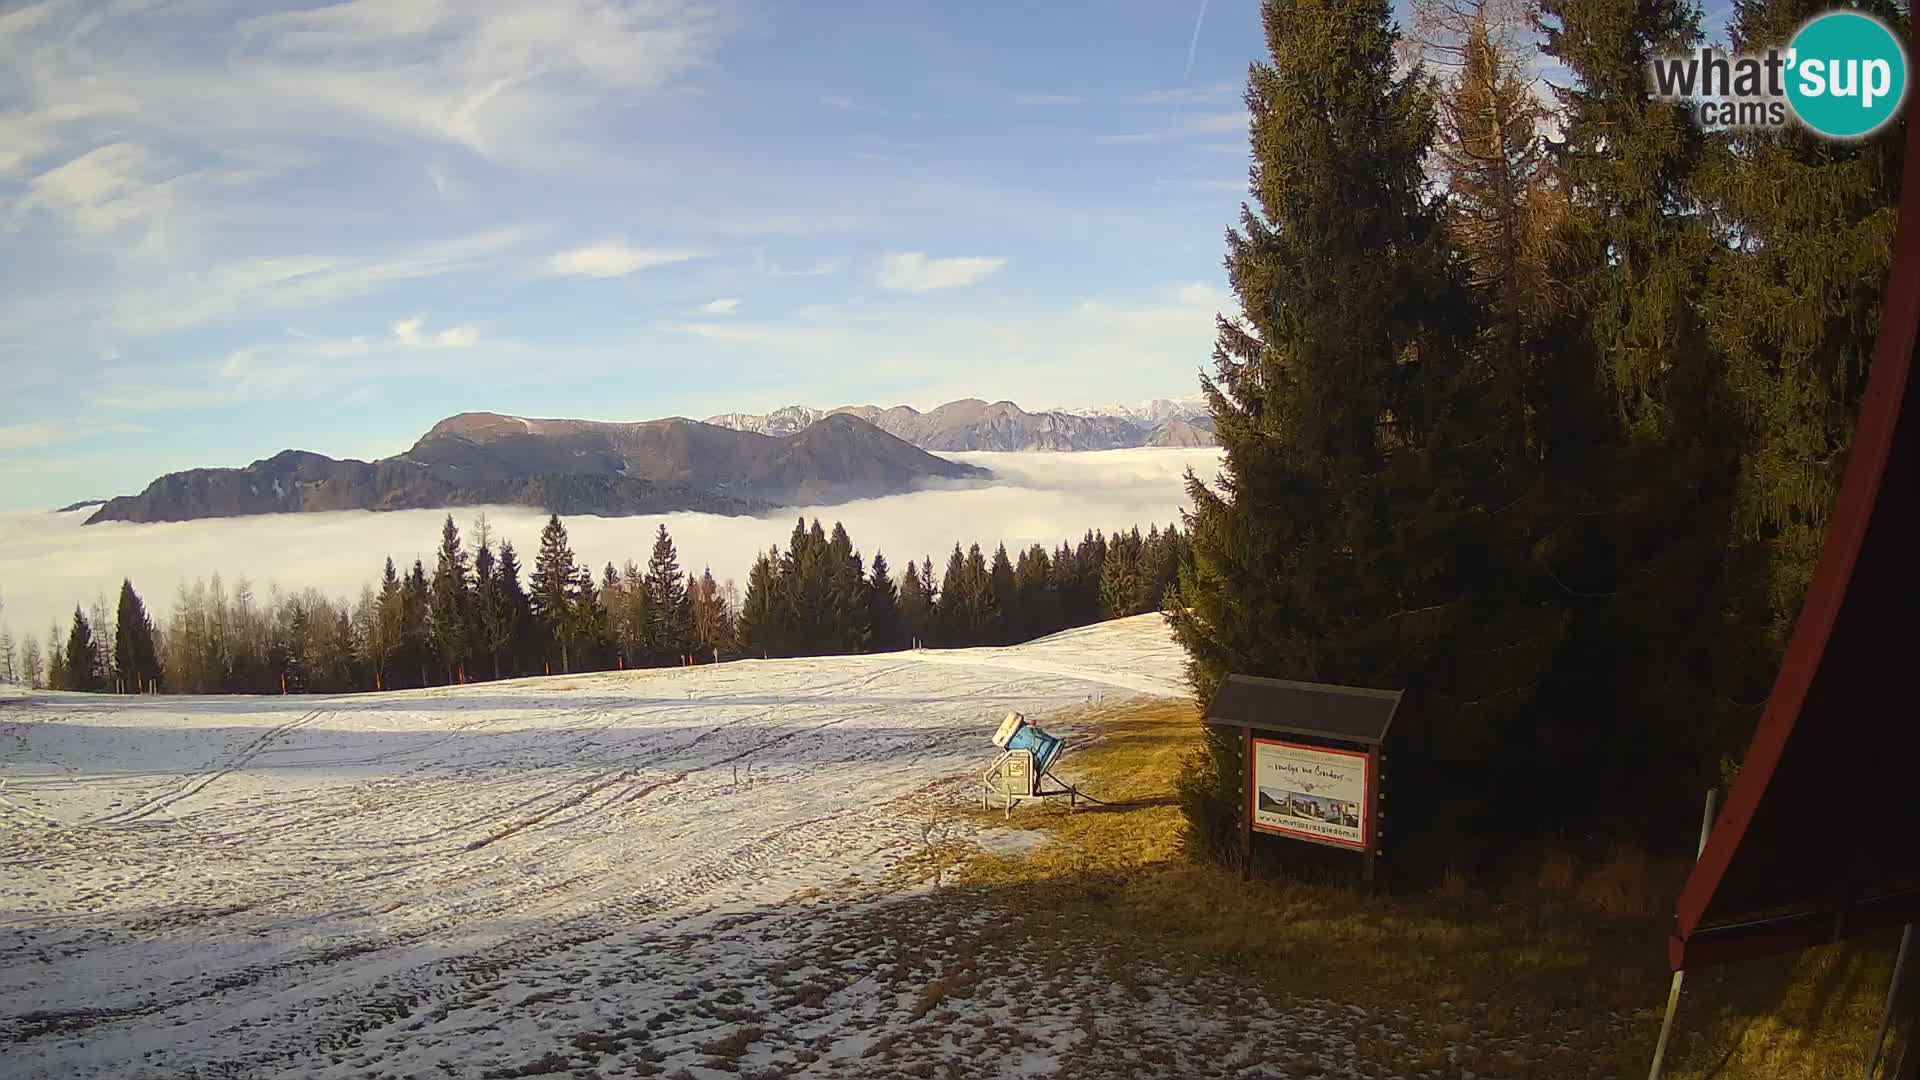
[245,885]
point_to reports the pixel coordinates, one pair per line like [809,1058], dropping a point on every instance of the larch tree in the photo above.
[32,672]
[56,659]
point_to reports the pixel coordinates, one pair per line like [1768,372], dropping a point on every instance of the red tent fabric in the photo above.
[1819,838]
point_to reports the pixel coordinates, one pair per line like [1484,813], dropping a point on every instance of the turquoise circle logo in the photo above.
[1848,74]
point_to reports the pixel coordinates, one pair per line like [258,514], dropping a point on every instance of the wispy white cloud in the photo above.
[31,434]
[1047,99]
[844,103]
[1158,340]
[273,283]
[294,369]
[122,198]
[1203,184]
[609,259]
[1217,94]
[817,268]
[914,271]
[408,332]
[785,337]
[1189,126]
[726,305]
[35,434]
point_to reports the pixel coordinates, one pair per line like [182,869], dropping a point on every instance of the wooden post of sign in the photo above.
[1372,823]
[1246,811]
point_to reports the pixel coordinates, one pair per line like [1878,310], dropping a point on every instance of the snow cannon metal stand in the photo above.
[1027,757]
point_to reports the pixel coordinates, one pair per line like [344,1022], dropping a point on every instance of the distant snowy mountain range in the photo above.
[972,424]
[565,466]
[737,463]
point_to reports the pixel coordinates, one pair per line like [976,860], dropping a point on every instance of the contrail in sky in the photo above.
[1195,40]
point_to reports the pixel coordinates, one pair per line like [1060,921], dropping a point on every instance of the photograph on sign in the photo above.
[1310,792]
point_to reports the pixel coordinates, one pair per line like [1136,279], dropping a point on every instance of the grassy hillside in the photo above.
[1558,973]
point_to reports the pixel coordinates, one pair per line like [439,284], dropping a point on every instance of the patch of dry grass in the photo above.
[1555,974]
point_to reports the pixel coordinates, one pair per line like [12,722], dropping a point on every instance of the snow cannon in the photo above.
[1027,753]
[1017,734]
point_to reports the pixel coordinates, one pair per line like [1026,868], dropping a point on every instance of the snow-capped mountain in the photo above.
[972,424]
[1153,412]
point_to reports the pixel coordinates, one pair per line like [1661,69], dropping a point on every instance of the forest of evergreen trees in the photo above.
[1535,406]
[477,614]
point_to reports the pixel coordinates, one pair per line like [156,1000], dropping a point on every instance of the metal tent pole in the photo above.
[1673,992]
[1893,991]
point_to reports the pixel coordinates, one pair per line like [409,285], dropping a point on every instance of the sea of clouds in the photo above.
[50,562]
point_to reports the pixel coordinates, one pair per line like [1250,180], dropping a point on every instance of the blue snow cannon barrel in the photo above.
[1017,734]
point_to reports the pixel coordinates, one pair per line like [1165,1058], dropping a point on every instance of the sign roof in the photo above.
[1349,713]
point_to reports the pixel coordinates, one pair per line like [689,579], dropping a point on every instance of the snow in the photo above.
[450,881]
[1152,411]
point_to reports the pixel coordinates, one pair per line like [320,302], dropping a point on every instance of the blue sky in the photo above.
[232,229]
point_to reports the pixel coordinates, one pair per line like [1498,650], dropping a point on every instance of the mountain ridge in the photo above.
[975,424]
[565,466]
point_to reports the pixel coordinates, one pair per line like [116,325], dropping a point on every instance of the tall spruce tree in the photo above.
[452,609]
[671,618]
[389,635]
[915,606]
[848,613]
[81,661]
[1039,605]
[953,615]
[759,626]
[1794,307]
[136,661]
[1003,599]
[416,636]
[1352,539]
[550,593]
[586,623]
[632,620]
[509,616]
[484,592]
[1645,476]
[883,606]
[712,617]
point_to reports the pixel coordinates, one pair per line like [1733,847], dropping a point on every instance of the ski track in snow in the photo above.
[388,884]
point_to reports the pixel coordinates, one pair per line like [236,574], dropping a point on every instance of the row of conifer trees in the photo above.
[1534,405]
[478,614]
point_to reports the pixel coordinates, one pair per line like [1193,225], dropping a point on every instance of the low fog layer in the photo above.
[49,562]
